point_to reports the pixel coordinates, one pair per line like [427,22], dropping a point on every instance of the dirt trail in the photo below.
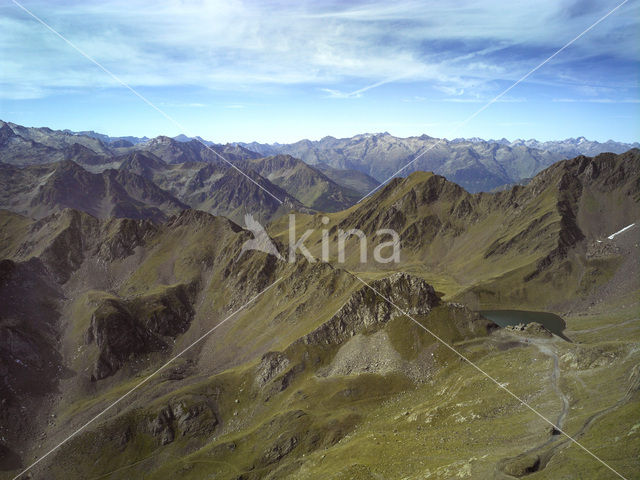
[603,327]
[544,347]
[536,458]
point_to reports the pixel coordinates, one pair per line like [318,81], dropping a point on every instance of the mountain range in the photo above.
[193,174]
[334,371]
[39,190]
[125,285]
[475,164]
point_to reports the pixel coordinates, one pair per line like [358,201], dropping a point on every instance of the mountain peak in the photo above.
[162,139]
[182,138]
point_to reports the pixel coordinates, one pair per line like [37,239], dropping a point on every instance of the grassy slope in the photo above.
[450,261]
[305,183]
[453,423]
[456,424]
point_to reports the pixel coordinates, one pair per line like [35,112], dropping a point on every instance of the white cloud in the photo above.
[235,45]
[596,100]
[181,104]
[450,90]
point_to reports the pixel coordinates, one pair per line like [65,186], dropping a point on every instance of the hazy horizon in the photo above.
[275,72]
[315,139]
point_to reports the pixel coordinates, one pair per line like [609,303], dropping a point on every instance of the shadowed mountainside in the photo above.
[353,179]
[40,190]
[201,176]
[475,164]
[320,376]
[309,185]
[519,240]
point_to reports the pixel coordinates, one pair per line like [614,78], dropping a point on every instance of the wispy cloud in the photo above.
[456,49]
[460,99]
[182,104]
[358,93]
[597,100]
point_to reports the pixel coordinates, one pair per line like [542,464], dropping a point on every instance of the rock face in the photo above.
[30,362]
[40,190]
[127,234]
[184,419]
[281,448]
[168,313]
[271,365]
[366,309]
[124,329]
[533,329]
[119,336]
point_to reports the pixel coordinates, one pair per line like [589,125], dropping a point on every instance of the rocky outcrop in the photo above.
[119,337]
[602,249]
[168,313]
[271,365]
[182,418]
[124,329]
[283,445]
[532,329]
[583,357]
[366,310]
[124,236]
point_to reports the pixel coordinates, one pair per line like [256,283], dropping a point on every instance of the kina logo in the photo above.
[261,241]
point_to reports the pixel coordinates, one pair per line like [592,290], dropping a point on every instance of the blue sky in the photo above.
[277,71]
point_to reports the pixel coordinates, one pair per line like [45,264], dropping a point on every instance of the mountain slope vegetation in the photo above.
[305,183]
[323,375]
[459,240]
[200,174]
[40,190]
